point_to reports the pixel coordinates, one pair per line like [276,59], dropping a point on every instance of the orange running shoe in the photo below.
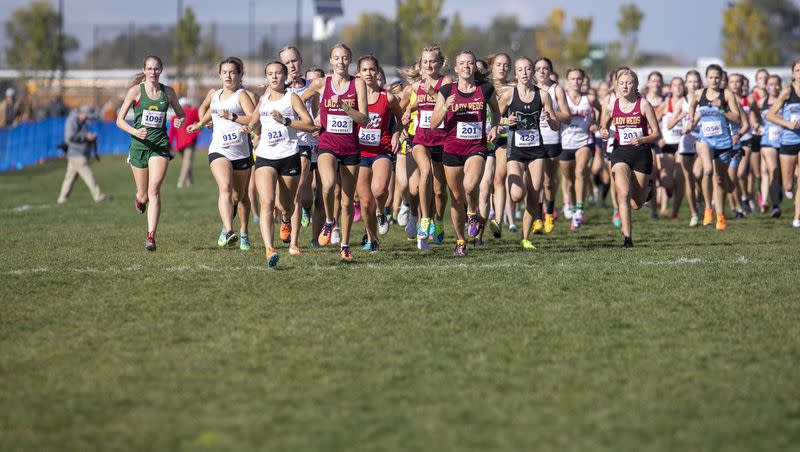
[708,217]
[345,255]
[294,250]
[722,223]
[286,231]
[325,235]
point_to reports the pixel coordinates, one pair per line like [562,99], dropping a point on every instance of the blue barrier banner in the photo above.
[36,142]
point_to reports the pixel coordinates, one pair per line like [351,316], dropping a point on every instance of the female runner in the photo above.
[715,115]
[149,153]
[770,143]
[789,100]
[229,152]
[377,144]
[631,160]
[281,115]
[461,106]
[525,105]
[343,103]
[577,143]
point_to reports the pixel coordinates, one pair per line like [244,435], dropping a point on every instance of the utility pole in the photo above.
[61,62]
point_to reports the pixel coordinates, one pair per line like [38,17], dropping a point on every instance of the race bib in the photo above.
[526,138]
[675,132]
[774,134]
[425,119]
[339,124]
[231,138]
[275,136]
[626,135]
[369,137]
[469,131]
[153,118]
[712,129]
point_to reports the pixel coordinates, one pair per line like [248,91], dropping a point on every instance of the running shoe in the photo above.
[616,220]
[527,245]
[294,250]
[403,214]
[574,224]
[244,242]
[438,227]
[538,227]
[325,235]
[422,229]
[255,219]
[788,194]
[549,223]
[472,225]
[722,223]
[383,224]
[694,221]
[431,231]
[496,228]
[336,235]
[150,242]
[627,242]
[708,217]
[364,239]
[776,212]
[141,207]
[356,212]
[305,219]
[579,216]
[226,238]
[738,214]
[796,223]
[512,228]
[461,249]
[374,246]
[366,246]
[315,243]
[746,207]
[272,258]
[567,211]
[411,227]
[345,255]
[286,231]
[422,244]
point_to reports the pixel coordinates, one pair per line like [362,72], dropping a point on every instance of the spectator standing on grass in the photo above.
[183,141]
[10,109]
[81,145]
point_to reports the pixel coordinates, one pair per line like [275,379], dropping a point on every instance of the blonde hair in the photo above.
[632,74]
[339,45]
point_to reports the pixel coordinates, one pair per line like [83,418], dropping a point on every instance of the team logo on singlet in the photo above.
[527,121]
[374,121]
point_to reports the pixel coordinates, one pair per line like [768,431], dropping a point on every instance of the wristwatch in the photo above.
[287,121]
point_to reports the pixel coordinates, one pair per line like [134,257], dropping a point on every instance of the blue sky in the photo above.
[684,28]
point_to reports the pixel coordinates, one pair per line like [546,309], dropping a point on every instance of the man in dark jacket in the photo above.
[80,145]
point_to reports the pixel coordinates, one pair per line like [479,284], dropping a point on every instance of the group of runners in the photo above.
[322,150]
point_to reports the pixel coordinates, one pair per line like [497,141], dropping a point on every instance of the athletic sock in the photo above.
[550,206]
[579,205]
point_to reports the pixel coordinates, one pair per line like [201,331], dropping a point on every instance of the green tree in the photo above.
[456,38]
[127,48]
[550,37]
[420,25]
[784,19]
[210,51]
[187,40]
[34,44]
[628,25]
[372,33]
[577,44]
[747,37]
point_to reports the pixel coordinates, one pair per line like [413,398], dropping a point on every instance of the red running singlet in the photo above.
[338,132]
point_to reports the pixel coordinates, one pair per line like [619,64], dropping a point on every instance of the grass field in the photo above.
[689,341]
